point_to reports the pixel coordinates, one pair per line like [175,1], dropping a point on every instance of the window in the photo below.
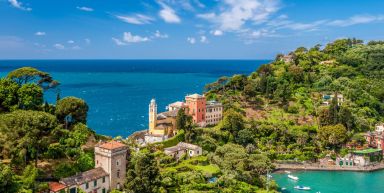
[118,173]
[103,191]
[104,179]
[87,185]
[72,190]
[118,162]
[95,183]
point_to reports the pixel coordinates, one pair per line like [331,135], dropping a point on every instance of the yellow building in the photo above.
[162,124]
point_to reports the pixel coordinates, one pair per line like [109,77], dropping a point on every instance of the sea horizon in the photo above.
[118,91]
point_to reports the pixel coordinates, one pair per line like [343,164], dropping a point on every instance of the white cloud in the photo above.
[357,19]
[70,42]
[87,41]
[234,14]
[191,40]
[168,14]
[203,39]
[88,9]
[118,42]
[158,34]
[59,46]
[217,32]
[137,19]
[19,5]
[40,33]
[129,38]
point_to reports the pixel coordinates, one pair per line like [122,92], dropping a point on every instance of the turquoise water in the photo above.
[333,182]
[118,91]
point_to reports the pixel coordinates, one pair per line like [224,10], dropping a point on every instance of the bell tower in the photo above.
[152,115]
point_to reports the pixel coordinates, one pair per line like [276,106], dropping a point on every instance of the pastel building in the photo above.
[376,138]
[161,125]
[214,113]
[196,108]
[108,174]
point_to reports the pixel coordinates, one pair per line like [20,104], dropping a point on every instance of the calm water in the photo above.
[118,91]
[333,182]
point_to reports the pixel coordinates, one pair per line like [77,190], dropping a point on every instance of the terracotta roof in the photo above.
[84,177]
[112,145]
[56,186]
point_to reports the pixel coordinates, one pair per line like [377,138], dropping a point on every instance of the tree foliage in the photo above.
[72,107]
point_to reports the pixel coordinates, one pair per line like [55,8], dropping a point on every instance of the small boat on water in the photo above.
[302,188]
[283,188]
[293,177]
[287,172]
[269,176]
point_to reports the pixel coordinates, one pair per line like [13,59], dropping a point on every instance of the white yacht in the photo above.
[302,188]
[293,177]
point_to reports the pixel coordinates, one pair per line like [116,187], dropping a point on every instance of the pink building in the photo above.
[196,108]
[376,138]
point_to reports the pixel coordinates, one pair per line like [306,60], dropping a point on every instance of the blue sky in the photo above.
[179,29]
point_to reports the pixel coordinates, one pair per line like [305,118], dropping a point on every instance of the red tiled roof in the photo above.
[56,186]
[112,145]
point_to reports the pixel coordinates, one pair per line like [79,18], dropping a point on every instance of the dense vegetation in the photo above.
[39,140]
[280,107]
[277,113]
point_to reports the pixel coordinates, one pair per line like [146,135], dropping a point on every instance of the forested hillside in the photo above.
[283,104]
[40,140]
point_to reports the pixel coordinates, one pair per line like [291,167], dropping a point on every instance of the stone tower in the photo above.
[112,157]
[152,115]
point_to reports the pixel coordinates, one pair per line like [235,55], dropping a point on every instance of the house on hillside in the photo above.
[327,99]
[183,148]
[214,113]
[289,58]
[375,139]
[108,174]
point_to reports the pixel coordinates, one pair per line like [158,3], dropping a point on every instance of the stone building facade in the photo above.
[183,148]
[112,157]
[108,174]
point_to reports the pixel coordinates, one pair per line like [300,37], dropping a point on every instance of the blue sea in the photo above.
[118,91]
[333,181]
